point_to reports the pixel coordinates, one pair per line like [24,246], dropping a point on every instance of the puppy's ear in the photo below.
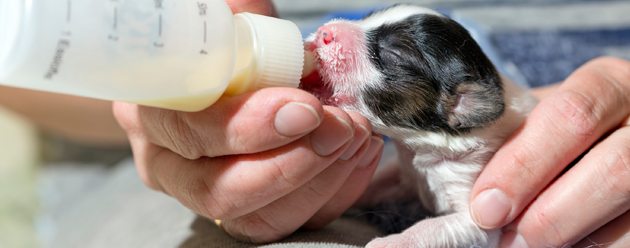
[474,104]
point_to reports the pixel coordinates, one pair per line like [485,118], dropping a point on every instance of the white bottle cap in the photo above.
[280,51]
[10,25]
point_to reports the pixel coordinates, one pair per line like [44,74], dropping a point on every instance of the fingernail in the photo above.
[490,208]
[331,135]
[296,118]
[512,239]
[372,152]
[360,136]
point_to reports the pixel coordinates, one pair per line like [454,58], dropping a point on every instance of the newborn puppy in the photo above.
[421,79]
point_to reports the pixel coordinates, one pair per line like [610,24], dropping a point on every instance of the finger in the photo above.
[350,191]
[231,186]
[243,124]
[142,148]
[287,214]
[261,7]
[592,101]
[366,160]
[592,193]
[544,91]
[615,234]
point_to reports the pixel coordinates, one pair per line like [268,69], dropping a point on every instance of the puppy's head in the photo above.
[406,68]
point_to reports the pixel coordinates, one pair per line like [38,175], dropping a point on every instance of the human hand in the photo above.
[265,163]
[590,201]
[261,7]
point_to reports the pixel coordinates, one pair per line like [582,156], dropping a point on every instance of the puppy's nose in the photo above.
[326,35]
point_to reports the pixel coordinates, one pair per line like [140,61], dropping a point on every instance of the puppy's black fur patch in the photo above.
[436,77]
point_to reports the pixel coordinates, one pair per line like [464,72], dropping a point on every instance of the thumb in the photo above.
[261,7]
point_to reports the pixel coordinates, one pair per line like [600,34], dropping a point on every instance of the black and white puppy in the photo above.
[421,79]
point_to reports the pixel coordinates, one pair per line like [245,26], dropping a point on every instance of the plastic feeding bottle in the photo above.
[173,54]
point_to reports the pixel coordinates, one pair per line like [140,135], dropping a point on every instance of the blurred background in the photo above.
[56,193]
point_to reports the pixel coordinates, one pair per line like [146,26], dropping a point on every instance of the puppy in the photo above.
[421,79]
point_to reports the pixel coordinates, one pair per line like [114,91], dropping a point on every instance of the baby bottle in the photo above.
[174,54]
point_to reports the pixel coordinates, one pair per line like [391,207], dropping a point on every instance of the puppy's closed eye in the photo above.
[420,79]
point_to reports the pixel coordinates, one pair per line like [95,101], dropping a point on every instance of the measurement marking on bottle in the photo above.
[158,4]
[62,46]
[115,18]
[205,32]
[202,8]
[68,11]
[160,31]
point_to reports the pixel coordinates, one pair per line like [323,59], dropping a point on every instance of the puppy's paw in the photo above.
[391,241]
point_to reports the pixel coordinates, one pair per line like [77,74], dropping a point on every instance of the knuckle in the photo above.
[239,141]
[319,191]
[579,112]
[255,229]
[616,168]
[214,208]
[208,201]
[548,232]
[207,138]
[180,136]
[282,178]
[526,171]
[218,207]
[251,136]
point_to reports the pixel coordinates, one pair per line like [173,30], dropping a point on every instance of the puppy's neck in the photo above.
[436,147]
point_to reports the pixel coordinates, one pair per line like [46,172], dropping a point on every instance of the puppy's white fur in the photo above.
[441,170]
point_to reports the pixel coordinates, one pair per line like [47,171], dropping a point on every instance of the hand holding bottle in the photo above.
[265,162]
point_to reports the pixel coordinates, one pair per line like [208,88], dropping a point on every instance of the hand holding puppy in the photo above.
[590,109]
[265,163]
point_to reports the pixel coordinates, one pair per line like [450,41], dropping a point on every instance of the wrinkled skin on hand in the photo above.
[589,203]
[265,163]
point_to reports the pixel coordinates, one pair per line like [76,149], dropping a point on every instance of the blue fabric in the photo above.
[545,57]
